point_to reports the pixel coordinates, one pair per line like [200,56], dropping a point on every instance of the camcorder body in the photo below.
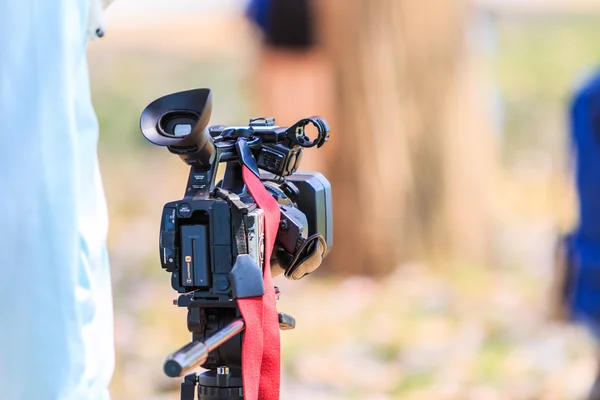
[198,237]
[212,241]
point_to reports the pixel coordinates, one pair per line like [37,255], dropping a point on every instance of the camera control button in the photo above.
[185,210]
[199,177]
[222,283]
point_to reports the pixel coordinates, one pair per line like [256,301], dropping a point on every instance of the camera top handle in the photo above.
[179,121]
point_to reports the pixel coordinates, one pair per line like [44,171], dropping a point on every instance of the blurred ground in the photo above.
[424,332]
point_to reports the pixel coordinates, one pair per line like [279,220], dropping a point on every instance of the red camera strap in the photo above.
[261,346]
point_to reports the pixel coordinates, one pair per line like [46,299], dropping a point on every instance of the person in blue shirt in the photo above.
[56,326]
[578,276]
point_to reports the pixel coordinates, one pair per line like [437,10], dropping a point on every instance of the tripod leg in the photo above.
[188,387]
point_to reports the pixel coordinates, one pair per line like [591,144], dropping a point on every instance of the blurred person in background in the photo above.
[578,283]
[56,334]
[293,76]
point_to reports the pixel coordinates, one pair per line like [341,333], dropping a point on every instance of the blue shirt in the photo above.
[56,339]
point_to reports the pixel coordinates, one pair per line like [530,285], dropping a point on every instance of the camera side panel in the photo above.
[196,246]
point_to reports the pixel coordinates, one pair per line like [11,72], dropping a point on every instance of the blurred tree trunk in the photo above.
[411,156]
[292,85]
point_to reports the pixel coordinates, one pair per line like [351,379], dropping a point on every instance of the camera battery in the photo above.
[195,264]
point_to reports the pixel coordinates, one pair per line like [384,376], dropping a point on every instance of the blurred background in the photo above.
[449,161]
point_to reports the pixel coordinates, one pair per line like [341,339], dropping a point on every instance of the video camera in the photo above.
[212,241]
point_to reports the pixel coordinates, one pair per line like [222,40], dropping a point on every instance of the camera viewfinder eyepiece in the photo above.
[179,122]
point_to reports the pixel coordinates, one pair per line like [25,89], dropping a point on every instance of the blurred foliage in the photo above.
[538,65]
[123,86]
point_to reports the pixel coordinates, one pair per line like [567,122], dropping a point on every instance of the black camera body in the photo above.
[212,240]
[197,237]
[195,245]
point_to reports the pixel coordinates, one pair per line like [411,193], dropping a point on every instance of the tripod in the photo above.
[218,383]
